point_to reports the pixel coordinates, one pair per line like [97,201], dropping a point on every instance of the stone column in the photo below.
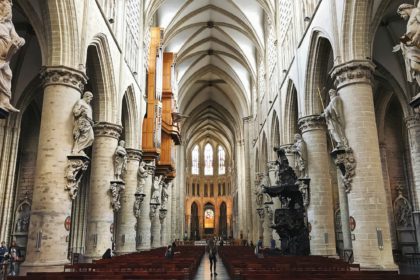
[261,216]
[367,199]
[100,213]
[155,226]
[168,219]
[320,210]
[51,204]
[268,221]
[143,222]
[125,241]
[413,127]
[162,218]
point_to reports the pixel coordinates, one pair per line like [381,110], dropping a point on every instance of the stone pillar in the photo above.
[155,226]
[174,214]
[320,210]
[168,219]
[143,222]
[261,216]
[367,199]
[268,221]
[47,245]
[413,127]
[125,241]
[100,213]
[162,218]
[344,216]
[388,192]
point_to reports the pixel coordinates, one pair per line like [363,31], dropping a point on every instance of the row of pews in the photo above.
[150,265]
[242,264]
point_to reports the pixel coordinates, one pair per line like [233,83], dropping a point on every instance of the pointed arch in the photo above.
[99,65]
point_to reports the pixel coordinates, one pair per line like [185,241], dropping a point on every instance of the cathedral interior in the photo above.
[133,124]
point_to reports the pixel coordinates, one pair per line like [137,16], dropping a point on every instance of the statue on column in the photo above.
[10,43]
[410,46]
[410,41]
[141,177]
[120,161]
[155,199]
[83,124]
[334,117]
[165,195]
[301,159]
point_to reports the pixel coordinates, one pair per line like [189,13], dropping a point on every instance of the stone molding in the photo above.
[353,72]
[412,121]
[134,154]
[312,122]
[105,129]
[65,76]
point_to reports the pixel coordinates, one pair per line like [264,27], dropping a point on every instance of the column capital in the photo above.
[105,129]
[353,72]
[312,122]
[134,154]
[63,75]
[412,121]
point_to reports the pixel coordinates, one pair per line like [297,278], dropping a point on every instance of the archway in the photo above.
[195,231]
[223,221]
[209,219]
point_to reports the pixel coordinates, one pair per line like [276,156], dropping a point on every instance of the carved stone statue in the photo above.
[165,195]
[402,211]
[301,159]
[120,160]
[410,41]
[83,124]
[141,177]
[334,117]
[10,43]
[156,190]
[116,195]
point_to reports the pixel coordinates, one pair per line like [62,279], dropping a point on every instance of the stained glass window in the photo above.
[208,160]
[195,155]
[222,169]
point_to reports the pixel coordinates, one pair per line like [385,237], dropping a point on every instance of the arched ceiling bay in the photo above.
[217,44]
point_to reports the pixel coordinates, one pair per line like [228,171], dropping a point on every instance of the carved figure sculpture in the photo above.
[156,190]
[10,43]
[410,41]
[116,195]
[120,160]
[301,159]
[141,177]
[74,172]
[83,124]
[164,195]
[334,117]
[402,210]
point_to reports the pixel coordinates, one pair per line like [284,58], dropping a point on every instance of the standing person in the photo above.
[212,250]
[15,256]
[3,252]
[259,248]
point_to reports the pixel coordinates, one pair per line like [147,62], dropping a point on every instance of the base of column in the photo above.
[42,267]
[375,266]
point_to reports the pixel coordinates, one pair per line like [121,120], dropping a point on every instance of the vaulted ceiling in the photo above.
[217,43]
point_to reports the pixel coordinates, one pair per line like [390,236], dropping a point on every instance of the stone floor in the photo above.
[203,272]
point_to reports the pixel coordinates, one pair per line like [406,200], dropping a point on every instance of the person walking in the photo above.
[212,250]
[15,256]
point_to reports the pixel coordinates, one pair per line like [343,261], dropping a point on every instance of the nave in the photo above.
[234,262]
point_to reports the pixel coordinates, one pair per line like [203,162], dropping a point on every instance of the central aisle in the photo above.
[203,272]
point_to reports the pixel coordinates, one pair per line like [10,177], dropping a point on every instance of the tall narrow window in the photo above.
[208,156]
[195,155]
[193,189]
[205,190]
[221,160]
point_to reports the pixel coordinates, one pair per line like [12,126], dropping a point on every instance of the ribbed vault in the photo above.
[217,43]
